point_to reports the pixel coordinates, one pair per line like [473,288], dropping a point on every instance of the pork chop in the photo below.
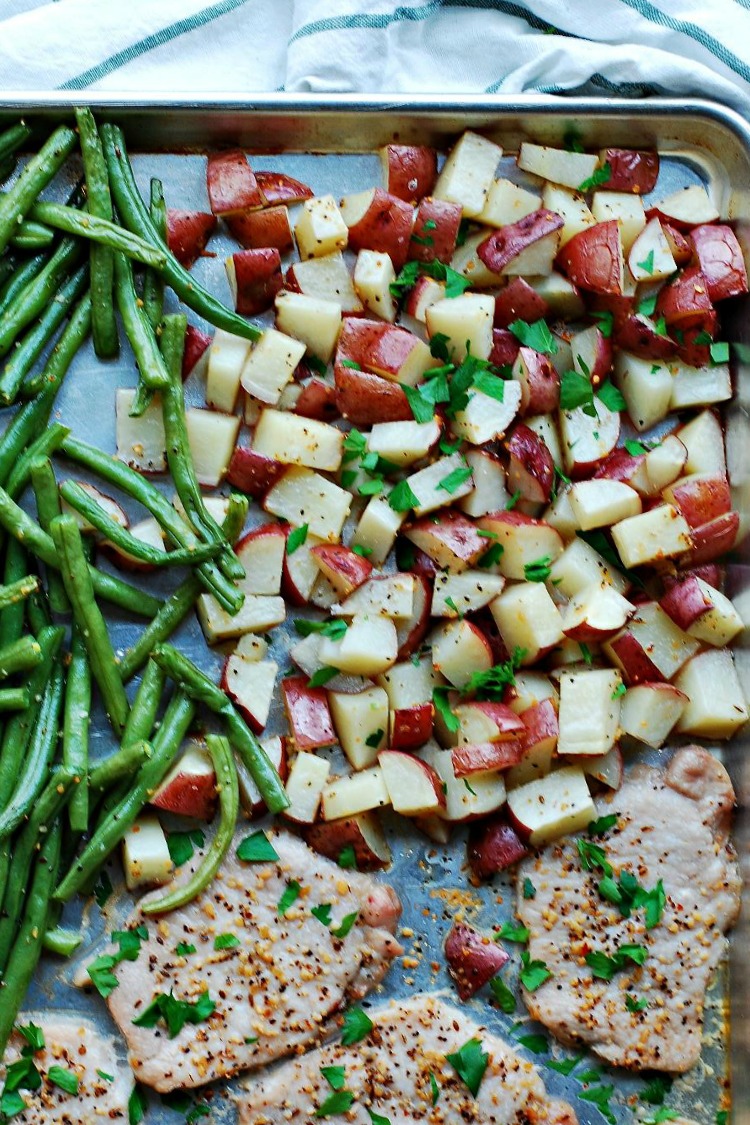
[389,1072]
[73,1044]
[672,828]
[273,970]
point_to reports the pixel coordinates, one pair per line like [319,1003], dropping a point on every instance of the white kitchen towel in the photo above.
[617,47]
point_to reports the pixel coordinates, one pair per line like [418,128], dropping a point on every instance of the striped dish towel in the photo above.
[619,47]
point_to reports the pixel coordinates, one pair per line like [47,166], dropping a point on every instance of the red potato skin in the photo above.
[457,531]
[540,382]
[720,259]
[421,563]
[255,230]
[637,334]
[592,258]
[308,713]
[633,170]
[364,399]
[472,958]
[411,727]
[620,306]
[684,302]
[518,301]
[416,627]
[702,500]
[505,348]
[258,279]
[680,246]
[709,572]
[329,838]
[232,184]
[619,465]
[509,724]
[196,343]
[531,469]
[376,346]
[186,796]
[187,234]
[247,715]
[385,226]
[685,602]
[447,219]
[253,473]
[342,566]
[691,346]
[540,724]
[483,756]
[411,170]
[505,244]
[318,401]
[713,539]
[637,668]
[277,187]
[493,846]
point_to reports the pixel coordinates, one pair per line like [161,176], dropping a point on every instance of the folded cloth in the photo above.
[616,47]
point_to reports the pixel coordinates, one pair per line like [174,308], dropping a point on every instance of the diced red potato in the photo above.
[493,846]
[650,647]
[558,165]
[587,440]
[410,170]
[551,806]
[702,611]
[379,221]
[538,379]
[141,442]
[304,787]
[435,231]
[602,502]
[196,344]
[505,348]
[232,185]
[251,685]
[473,959]
[562,296]
[317,400]
[713,539]
[425,292]
[189,788]
[361,832]
[720,260]
[596,613]
[700,497]
[253,473]
[269,227]
[145,854]
[486,795]
[470,759]
[717,705]
[650,257]
[411,632]
[531,470]
[485,418]
[345,569]
[524,540]
[528,620]
[364,399]
[383,349]
[414,788]
[466,321]
[650,711]
[308,714]
[542,728]
[277,187]
[506,203]
[456,594]
[320,229]
[451,540]
[592,353]
[518,301]
[255,279]
[679,244]
[572,206]
[358,793]
[459,649]
[638,334]
[487,722]
[490,493]
[593,258]
[187,234]
[369,646]
[608,769]
[373,276]
[402,443]
[589,711]
[687,207]
[326,279]
[386,595]
[630,169]
[468,173]
[261,552]
[501,251]
[685,302]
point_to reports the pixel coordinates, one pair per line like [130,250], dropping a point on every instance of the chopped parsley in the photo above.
[509,931]
[373,740]
[490,685]
[647,307]
[63,1078]
[322,676]
[103,889]
[185,948]
[434,1089]
[137,1105]
[529,890]
[719,352]
[441,703]
[533,973]
[257,848]
[347,858]
[593,856]
[656,1090]
[335,628]
[635,1005]
[289,897]
[455,479]
[101,969]
[491,556]
[647,265]
[538,570]
[604,967]
[605,321]
[357,1025]
[506,1001]
[586,654]
[33,1035]
[175,1013]
[296,538]
[600,1096]
[335,1076]
[226,941]
[402,498]
[577,390]
[536,336]
[377,1118]
[535,1043]
[340,1101]
[598,178]
[611,397]
[602,824]
[564,1066]
[455,283]
[105,1076]
[513,500]
[182,845]
[470,1062]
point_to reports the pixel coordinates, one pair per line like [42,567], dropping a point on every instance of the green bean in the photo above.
[49,441]
[7,168]
[28,350]
[145,707]
[28,945]
[101,231]
[197,684]
[15,520]
[18,591]
[153,284]
[228,790]
[35,298]
[116,472]
[8,266]
[32,236]
[62,941]
[20,278]
[38,611]
[71,338]
[75,742]
[48,508]
[138,328]
[12,618]
[76,576]
[19,656]
[4,873]
[14,699]
[35,176]
[179,604]
[34,771]
[19,729]
[174,727]
[134,215]
[179,456]
[118,767]
[51,800]
[12,138]
[101,259]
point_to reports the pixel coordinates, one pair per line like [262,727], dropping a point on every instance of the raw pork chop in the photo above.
[73,1044]
[388,1072]
[276,981]
[672,826]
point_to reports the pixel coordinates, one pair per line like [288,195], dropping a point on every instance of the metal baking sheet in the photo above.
[328,141]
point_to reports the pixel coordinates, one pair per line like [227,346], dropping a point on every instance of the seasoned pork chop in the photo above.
[274,980]
[388,1072]
[73,1044]
[671,827]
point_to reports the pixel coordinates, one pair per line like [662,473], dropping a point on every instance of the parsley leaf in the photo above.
[605,967]
[599,1096]
[347,922]
[226,941]
[339,1102]
[401,499]
[470,1062]
[592,856]
[357,1025]
[322,676]
[611,397]
[635,1005]
[502,994]
[564,1066]
[257,848]
[597,178]
[355,444]
[335,1076]
[63,1078]
[575,390]
[490,685]
[455,479]
[605,321]
[491,556]
[602,824]
[373,740]
[619,691]
[719,352]
[101,975]
[33,1035]
[538,570]
[533,973]
[655,1091]
[536,1043]
[106,1077]
[103,889]
[334,628]
[296,538]
[635,448]
[347,858]
[536,336]
[377,1118]
[647,265]
[185,948]
[137,1106]
[175,1013]
[182,845]
[441,703]
[529,890]
[289,897]
[509,931]
[491,385]
[434,1089]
